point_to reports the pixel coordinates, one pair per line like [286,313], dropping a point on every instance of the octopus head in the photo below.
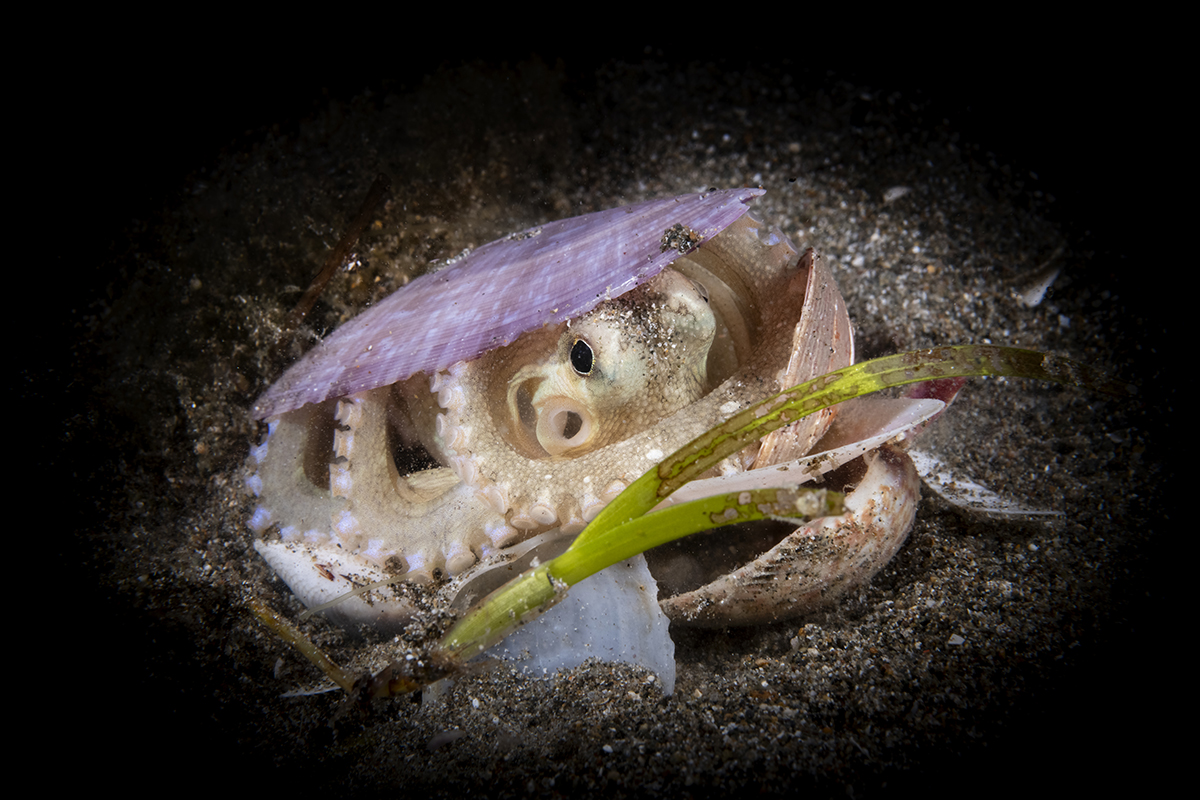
[613,372]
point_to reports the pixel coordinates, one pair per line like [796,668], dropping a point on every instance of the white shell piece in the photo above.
[613,616]
[321,574]
[961,491]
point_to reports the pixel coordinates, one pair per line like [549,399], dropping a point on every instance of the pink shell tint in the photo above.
[542,276]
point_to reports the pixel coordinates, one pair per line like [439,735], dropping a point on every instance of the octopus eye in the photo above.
[581,357]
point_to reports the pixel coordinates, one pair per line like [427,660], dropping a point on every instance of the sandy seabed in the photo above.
[989,651]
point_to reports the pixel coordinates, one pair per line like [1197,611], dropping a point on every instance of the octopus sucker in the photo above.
[615,352]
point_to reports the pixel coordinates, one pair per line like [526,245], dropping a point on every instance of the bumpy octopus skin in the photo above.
[537,436]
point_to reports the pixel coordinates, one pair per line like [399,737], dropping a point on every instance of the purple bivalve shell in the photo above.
[541,276]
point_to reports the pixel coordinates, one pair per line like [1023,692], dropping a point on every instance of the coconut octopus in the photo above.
[543,373]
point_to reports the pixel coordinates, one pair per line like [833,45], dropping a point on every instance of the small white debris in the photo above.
[956,641]
[1035,290]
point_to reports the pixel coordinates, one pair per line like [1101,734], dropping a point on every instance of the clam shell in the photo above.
[544,275]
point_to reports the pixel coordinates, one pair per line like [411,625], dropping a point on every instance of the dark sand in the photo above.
[989,656]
